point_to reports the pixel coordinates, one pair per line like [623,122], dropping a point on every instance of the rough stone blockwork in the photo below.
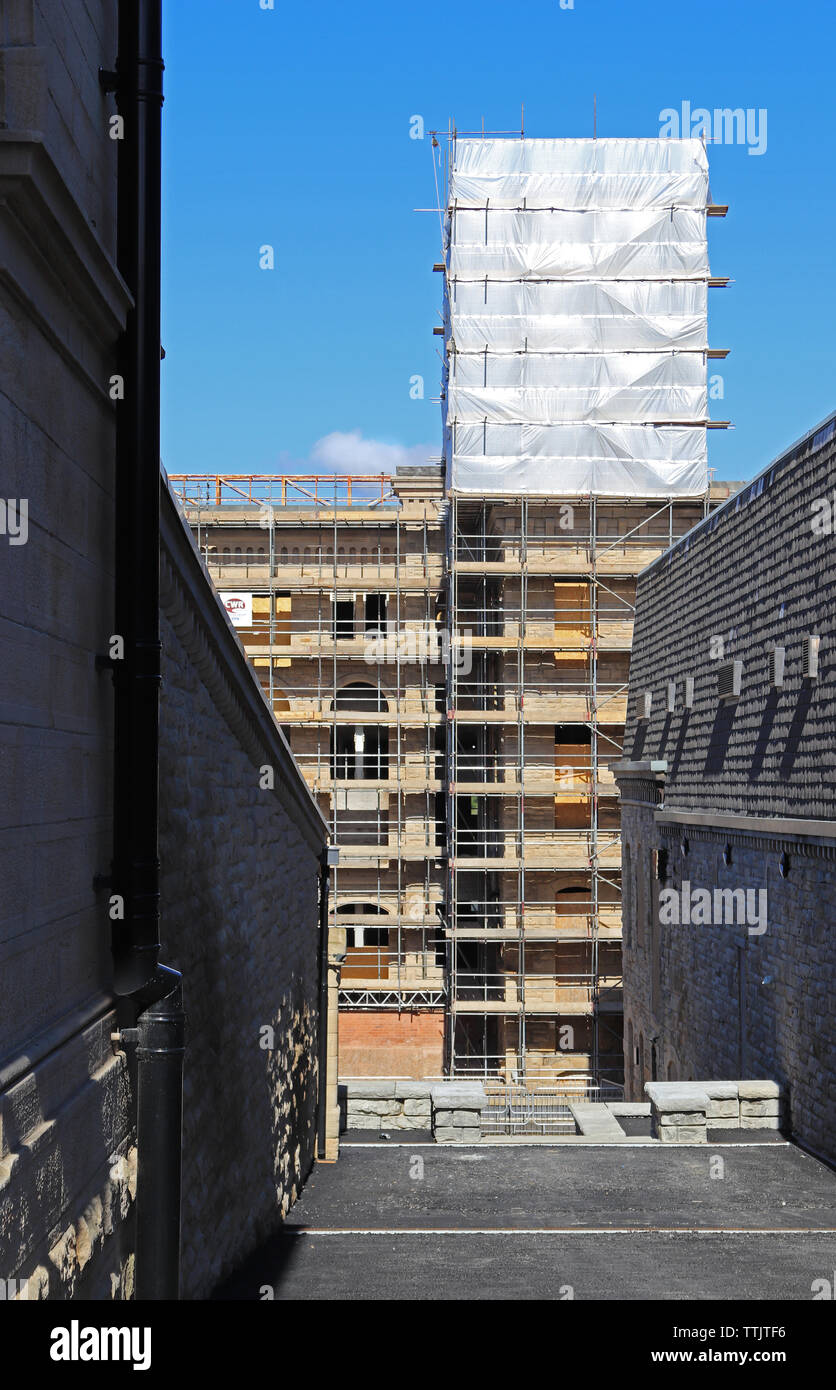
[378,1106]
[736,796]
[453,1110]
[240,920]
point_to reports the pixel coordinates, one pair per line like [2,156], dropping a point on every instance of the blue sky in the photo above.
[291,127]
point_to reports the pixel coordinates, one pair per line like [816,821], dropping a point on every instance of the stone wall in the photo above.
[692,1112]
[67,1164]
[240,920]
[736,798]
[452,1110]
[758,572]
[375,1106]
[719,999]
[239,864]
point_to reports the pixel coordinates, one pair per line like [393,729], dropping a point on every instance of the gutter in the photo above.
[152,992]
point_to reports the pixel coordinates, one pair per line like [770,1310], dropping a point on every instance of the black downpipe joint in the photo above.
[159,1058]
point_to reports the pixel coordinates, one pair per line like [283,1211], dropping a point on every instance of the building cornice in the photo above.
[774,827]
[56,243]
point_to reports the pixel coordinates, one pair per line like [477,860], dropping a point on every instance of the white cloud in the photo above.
[346,451]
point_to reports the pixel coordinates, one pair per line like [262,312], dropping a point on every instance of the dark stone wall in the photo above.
[725,1000]
[759,571]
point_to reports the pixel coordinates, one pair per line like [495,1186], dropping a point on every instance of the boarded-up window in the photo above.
[572,629]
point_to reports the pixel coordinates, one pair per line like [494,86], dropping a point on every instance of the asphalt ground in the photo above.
[619,1222]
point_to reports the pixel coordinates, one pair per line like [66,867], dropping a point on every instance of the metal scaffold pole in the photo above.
[594,859]
[521,850]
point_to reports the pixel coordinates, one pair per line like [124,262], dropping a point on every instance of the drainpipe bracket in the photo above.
[124,1037]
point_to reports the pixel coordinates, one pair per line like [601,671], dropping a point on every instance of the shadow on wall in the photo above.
[802,709]
[680,742]
[718,743]
[239,919]
[250,1069]
[261,1276]
[639,741]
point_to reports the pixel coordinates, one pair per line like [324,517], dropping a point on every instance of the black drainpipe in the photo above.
[324,894]
[153,991]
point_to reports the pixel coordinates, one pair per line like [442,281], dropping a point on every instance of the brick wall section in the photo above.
[711,1001]
[387,1043]
[240,920]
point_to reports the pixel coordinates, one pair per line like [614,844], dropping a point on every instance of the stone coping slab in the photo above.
[413,1090]
[596,1121]
[715,1090]
[679,1098]
[369,1090]
[759,1090]
[661,1091]
[459,1095]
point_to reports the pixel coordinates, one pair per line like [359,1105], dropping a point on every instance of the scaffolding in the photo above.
[575,410]
[448,648]
[481,649]
[542,601]
[341,617]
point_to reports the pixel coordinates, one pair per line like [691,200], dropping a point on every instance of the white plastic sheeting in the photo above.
[639,386]
[577,245]
[625,174]
[576,317]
